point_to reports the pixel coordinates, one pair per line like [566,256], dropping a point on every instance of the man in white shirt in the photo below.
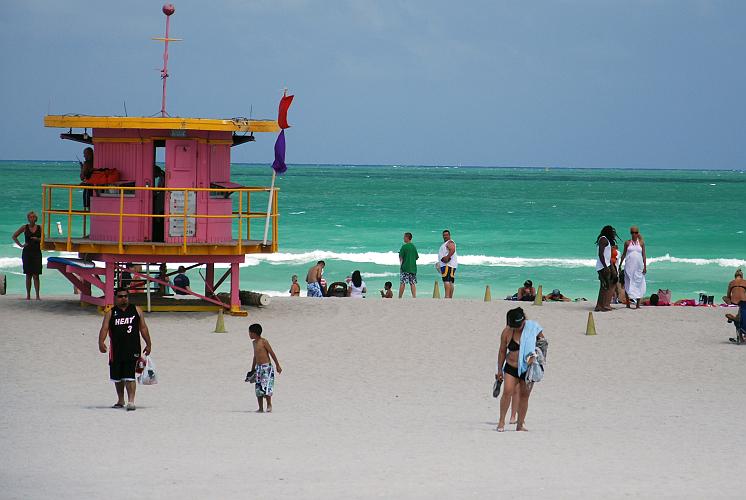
[447,263]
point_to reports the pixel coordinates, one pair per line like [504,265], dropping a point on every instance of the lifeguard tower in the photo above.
[193,213]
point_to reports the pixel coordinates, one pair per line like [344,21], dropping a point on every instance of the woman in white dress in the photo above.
[635,268]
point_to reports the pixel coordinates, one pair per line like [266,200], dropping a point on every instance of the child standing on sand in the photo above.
[262,366]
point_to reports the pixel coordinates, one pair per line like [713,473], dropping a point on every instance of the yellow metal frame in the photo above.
[242,245]
[155,123]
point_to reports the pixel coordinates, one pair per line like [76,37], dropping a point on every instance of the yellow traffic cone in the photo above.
[539,297]
[436,290]
[590,328]
[487,294]
[220,324]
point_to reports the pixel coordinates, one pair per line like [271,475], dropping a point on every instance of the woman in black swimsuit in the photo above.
[31,255]
[507,362]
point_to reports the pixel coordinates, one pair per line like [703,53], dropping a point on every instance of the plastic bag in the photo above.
[148,376]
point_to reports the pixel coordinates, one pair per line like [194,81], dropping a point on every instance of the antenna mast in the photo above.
[168,9]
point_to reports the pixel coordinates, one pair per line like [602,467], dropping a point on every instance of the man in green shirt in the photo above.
[408,265]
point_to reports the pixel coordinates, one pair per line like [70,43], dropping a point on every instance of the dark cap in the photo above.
[528,283]
[515,317]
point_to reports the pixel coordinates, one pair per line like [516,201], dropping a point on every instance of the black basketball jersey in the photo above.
[124,331]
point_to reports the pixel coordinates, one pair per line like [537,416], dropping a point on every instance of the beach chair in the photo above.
[740,324]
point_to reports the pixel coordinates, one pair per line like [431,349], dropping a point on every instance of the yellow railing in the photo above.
[243,215]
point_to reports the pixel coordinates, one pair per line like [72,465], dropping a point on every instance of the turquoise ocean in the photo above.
[510,224]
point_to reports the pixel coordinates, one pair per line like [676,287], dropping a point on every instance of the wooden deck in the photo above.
[85,245]
[172,303]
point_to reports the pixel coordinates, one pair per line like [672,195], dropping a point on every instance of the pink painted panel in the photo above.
[106,228]
[220,163]
[219,230]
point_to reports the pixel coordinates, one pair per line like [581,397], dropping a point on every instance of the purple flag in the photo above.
[279,163]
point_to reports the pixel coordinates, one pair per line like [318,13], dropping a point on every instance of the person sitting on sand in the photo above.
[556,296]
[387,293]
[527,291]
[514,356]
[736,289]
[295,287]
[357,286]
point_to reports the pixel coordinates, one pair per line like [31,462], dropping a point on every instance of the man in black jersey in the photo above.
[124,324]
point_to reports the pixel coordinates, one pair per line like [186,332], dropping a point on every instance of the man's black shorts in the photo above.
[448,274]
[123,370]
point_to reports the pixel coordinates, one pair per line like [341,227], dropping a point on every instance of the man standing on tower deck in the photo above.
[124,324]
[408,266]
[447,263]
[313,280]
[86,171]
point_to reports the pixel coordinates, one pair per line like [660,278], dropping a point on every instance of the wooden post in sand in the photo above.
[436,290]
[487,294]
[590,328]
[539,297]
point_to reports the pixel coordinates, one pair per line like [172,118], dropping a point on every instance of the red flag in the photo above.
[282,116]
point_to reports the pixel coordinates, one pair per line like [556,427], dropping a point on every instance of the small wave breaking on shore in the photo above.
[392,259]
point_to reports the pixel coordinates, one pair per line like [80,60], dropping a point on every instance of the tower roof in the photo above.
[161,123]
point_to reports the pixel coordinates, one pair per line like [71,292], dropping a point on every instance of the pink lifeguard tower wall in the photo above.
[191,162]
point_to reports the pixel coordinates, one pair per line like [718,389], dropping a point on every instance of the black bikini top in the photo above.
[514,346]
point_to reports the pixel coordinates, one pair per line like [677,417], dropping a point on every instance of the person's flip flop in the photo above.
[117,405]
[131,407]
[500,429]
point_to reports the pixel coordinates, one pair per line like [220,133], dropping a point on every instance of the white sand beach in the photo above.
[378,399]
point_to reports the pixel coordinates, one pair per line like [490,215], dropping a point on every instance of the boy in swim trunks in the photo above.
[262,366]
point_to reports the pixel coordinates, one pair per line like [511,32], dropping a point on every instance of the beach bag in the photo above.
[148,376]
[664,297]
[535,371]
[102,176]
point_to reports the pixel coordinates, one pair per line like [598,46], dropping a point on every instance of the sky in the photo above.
[563,83]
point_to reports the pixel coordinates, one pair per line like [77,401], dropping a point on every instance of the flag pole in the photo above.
[269,207]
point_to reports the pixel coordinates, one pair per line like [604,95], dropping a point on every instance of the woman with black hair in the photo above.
[516,353]
[357,286]
[605,241]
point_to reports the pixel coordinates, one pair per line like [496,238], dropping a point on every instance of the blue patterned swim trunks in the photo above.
[314,290]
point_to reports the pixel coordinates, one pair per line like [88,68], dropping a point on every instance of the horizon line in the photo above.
[403,165]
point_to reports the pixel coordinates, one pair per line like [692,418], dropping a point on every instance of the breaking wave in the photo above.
[392,259]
